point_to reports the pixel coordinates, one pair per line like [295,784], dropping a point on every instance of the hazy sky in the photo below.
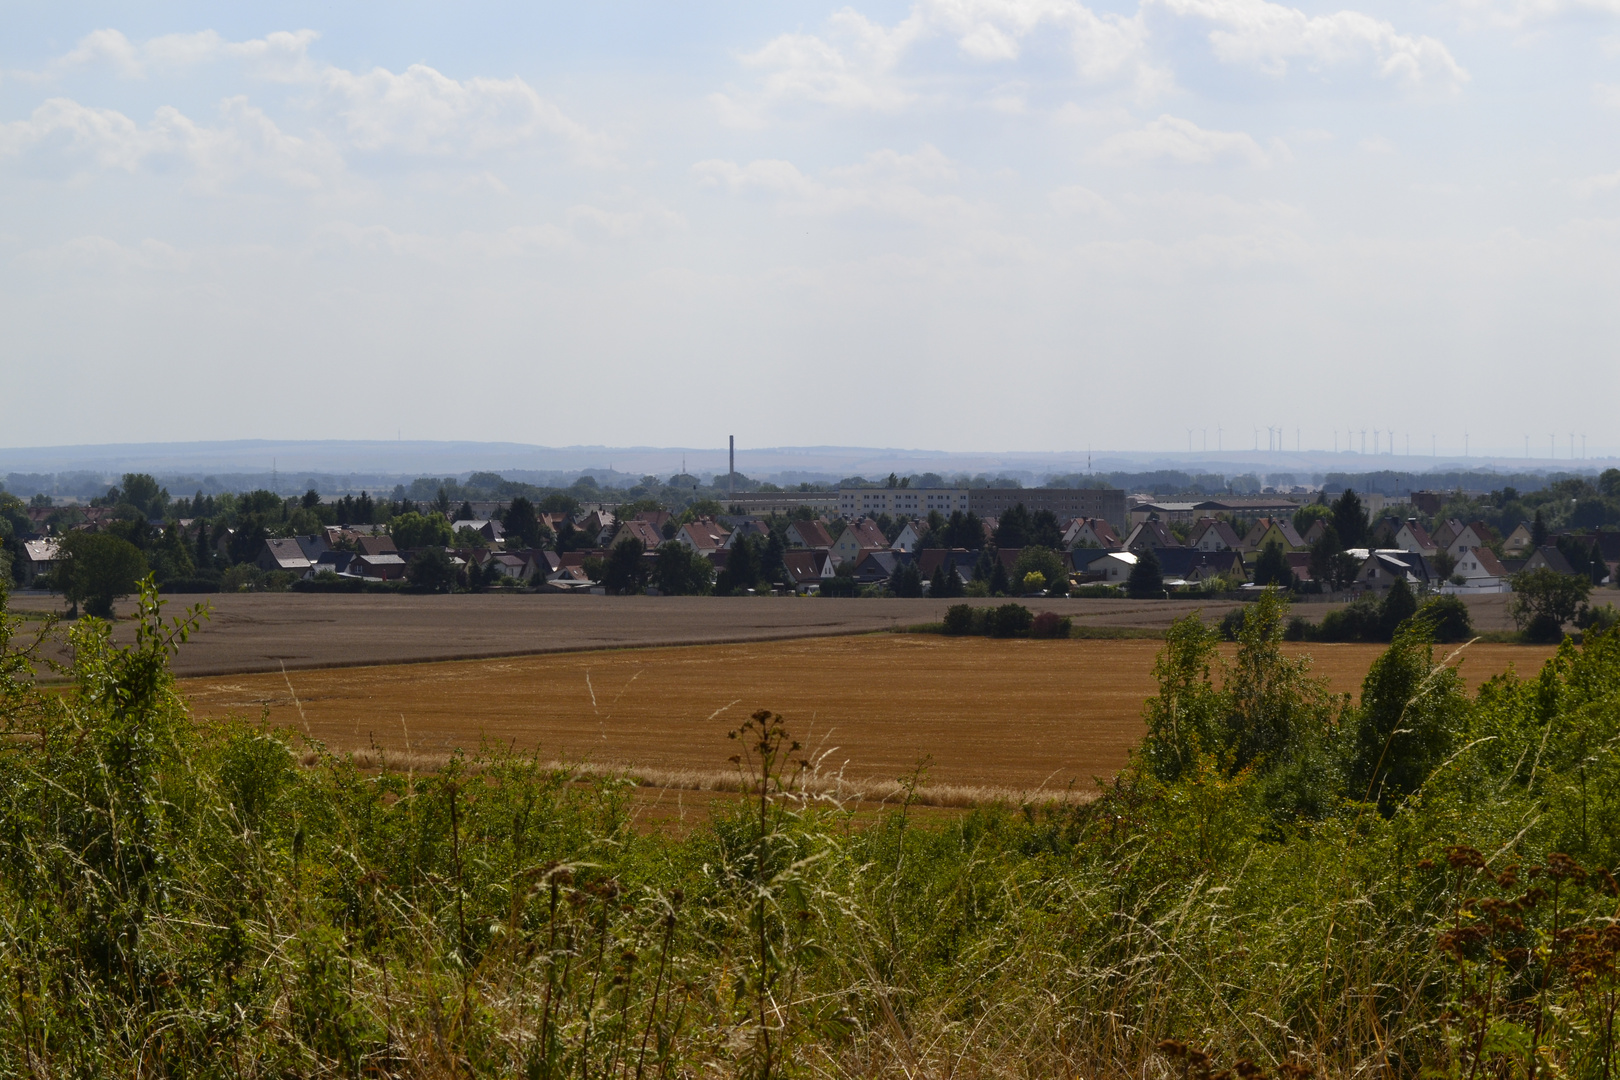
[953,224]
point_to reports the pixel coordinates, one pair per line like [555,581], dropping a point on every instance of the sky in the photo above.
[949,224]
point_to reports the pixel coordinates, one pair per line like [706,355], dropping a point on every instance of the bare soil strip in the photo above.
[992,718]
[270,631]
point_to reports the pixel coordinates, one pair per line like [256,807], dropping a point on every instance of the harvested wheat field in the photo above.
[995,718]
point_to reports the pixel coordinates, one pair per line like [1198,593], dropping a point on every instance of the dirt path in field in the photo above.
[1016,715]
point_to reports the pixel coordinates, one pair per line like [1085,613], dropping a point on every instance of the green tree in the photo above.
[946,584]
[1544,600]
[1398,605]
[432,569]
[1410,713]
[1350,520]
[625,572]
[999,585]
[1538,531]
[907,581]
[1044,561]
[411,530]
[1146,582]
[1310,514]
[522,524]
[97,568]
[680,571]
[1272,568]
[142,492]
[1045,530]
[1013,528]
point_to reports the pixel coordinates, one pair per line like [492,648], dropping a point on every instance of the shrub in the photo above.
[1009,620]
[1448,619]
[1049,624]
[959,619]
[1358,621]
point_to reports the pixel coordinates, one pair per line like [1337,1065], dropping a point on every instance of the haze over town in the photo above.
[1134,224]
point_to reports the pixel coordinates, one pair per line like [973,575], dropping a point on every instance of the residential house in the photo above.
[283,554]
[1192,564]
[1314,534]
[809,534]
[1212,534]
[741,527]
[702,536]
[1112,567]
[338,562]
[1382,567]
[638,529]
[858,537]
[960,560]
[514,567]
[876,567]
[1548,557]
[1091,533]
[388,566]
[1268,530]
[600,525]
[38,557]
[807,568]
[656,518]
[910,538]
[376,545]
[1299,563]
[1481,571]
[491,530]
[1150,535]
[1414,537]
[1476,534]
[1445,533]
[1519,541]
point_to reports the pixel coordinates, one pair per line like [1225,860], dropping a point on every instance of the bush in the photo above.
[1010,620]
[1358,621]
[1544,630]
[1448,619]
[191,585]
[960,618]
[1231,624]
[1049,624]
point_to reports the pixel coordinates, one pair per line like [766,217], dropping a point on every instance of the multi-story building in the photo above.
[917,502]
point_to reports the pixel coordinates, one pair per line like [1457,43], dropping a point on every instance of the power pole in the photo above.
[731,477]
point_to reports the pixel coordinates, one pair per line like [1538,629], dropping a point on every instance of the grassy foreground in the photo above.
[1284,881]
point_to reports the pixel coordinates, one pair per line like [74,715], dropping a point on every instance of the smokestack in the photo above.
[731,477]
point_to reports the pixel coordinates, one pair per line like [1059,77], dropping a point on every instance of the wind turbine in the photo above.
[1189,440]
[1206,440]
[1363,440]
[1465,444]
[1583,446]
[1375,442]
[1572,446]
[1218,430]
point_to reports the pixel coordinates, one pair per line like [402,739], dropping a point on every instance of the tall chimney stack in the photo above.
[731,477]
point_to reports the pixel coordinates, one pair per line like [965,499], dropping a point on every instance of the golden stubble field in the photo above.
[1010,715]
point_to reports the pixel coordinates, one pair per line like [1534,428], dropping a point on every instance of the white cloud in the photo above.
[1181,142]
[246,141]
[886,183]
[1074,200]
[858,64]
[1376,144]
[861,64]
[418,111]
[421,111]
[1606,95]
[1267,36]
[1592,185]
[283,55]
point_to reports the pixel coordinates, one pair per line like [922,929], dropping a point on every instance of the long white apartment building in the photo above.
[870,502]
